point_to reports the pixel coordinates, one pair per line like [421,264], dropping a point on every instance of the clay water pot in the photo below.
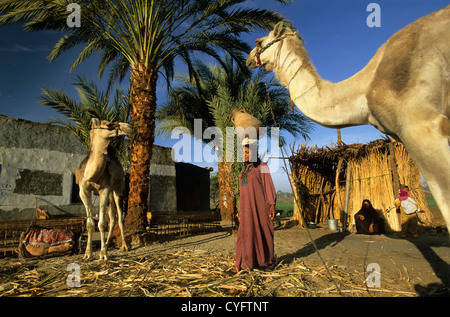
[242,119]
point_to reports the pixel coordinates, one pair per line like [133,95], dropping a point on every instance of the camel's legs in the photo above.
[112,219]
[104,197]
[85,196]
[432,154]
[120,219]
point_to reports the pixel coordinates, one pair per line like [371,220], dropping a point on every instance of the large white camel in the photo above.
[403,91]
[102,173]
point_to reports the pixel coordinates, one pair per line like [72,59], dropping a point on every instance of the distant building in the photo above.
[38,160]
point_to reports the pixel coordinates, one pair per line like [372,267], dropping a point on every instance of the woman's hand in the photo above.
[272,211]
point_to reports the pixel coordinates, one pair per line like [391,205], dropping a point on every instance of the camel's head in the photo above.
[109,130]
[264,54]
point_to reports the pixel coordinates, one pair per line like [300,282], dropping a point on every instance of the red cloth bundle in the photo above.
[40,241]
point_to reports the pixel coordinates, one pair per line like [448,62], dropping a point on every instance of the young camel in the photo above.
[101,172]
[403,91]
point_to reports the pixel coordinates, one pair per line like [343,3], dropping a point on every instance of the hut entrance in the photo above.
[331,182]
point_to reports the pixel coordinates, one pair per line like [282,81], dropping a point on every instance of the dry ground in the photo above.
[199,266]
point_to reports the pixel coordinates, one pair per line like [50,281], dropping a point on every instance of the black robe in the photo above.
[370,217]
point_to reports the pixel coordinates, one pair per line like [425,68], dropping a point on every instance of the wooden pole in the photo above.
[296,214]
[337,187]
[339,138]
[347,195]
[319,201]
[394,170]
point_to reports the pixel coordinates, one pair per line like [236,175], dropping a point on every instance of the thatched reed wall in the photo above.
[370,171]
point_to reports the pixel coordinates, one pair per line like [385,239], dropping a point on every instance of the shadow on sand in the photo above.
[424,245]
[440,268]
[321,243]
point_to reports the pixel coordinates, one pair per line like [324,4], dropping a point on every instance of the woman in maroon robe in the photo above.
[254,245]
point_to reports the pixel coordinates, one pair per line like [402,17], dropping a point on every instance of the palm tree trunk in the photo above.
[223,199]
[221,190]
[226,189]
[143,101]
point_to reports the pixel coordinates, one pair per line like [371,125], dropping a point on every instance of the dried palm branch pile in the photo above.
[184,223]
[376,169]
[182,273]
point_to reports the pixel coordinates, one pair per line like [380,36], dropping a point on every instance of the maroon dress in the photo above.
[254,245]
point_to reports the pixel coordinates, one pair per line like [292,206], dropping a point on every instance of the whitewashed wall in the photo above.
[37,160]
[53,164]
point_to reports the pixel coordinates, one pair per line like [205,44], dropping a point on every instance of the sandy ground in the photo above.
[409,266]
[417,265]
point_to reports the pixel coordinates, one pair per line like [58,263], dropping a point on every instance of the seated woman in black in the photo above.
[367,220]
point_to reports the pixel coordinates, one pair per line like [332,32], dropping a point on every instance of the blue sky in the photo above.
[336,33]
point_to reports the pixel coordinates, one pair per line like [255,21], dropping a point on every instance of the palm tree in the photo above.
[211,96]
[93,103]
[146,37]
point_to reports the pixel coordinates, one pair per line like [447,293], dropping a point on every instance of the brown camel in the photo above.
[101,172]
[403,91]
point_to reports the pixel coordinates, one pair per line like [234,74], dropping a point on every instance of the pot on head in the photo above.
[245,124]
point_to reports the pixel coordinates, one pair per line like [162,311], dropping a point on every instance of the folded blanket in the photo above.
[39,241]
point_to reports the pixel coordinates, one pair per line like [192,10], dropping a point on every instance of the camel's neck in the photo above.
[334,105]
[98,156]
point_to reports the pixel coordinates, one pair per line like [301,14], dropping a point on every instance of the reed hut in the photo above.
[331,182]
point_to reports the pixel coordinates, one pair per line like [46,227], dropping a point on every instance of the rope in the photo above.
[275,124]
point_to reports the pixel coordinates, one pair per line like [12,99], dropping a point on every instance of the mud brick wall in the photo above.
[37,160]
[193,184]
[163,191]
[177,186]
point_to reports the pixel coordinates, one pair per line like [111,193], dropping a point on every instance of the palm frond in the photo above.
[157,32]
[92,103]
[217,90]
